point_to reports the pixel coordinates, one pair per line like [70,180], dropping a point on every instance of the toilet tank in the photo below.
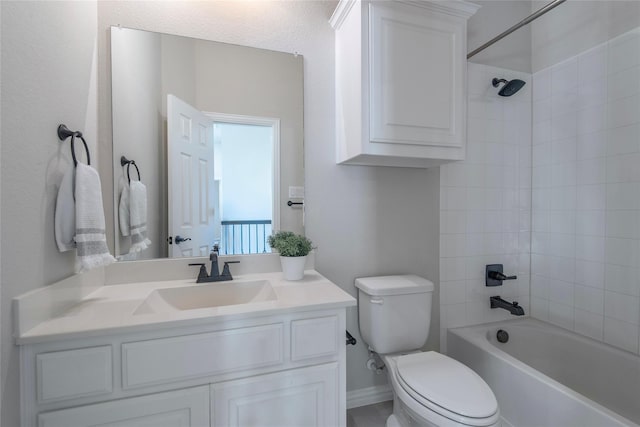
[394,312]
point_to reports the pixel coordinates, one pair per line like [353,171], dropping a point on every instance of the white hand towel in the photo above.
[123,211]
[138,216]
[91,240]
[65,215]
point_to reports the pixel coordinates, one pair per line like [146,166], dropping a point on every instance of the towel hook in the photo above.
[125,161]
[64,132]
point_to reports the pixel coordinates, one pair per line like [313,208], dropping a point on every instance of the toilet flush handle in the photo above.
[379,301]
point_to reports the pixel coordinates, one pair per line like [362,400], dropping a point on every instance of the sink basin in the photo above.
[207,296]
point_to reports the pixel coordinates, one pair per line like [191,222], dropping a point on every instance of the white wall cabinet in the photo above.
[284,370]
[401,81]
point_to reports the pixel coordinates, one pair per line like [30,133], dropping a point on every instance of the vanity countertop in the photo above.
[110,309]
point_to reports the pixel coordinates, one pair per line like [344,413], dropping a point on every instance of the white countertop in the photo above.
[110,309]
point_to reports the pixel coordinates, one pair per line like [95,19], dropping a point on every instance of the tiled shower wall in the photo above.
[485,204]
[586,193]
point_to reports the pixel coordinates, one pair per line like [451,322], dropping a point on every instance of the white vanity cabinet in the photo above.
[282,369]
[401,81]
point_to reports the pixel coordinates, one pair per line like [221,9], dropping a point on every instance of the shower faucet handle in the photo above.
[495,275]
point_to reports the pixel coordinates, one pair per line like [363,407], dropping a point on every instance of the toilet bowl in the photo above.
[429,388]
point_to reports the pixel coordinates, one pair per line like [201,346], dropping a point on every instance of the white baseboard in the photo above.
[368,396]
[505,423]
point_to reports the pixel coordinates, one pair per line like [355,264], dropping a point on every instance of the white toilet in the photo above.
[429,388]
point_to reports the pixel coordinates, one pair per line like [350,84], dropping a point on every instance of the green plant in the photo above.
[289,244]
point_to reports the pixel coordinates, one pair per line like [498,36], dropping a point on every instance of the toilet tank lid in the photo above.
[394,285]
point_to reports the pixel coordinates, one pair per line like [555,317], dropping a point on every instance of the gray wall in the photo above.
[495,16]
[578,25]
[48,77]
[567,30]
[139,130]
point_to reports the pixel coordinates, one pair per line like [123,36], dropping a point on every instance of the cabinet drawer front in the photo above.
[192,356]
[316,337]
[74,373]
[184,408]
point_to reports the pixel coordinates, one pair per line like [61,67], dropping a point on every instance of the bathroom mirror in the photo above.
[216,134]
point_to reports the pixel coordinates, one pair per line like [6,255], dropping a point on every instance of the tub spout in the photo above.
[513,307]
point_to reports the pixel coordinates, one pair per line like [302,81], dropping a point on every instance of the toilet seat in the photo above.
[445,386]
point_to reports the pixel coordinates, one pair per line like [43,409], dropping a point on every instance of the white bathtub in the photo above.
[548,376]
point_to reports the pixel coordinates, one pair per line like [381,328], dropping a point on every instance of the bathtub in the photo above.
[547,376]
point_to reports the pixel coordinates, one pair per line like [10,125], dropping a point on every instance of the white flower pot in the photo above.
[293,267]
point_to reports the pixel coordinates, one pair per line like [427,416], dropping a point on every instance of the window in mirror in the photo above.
[246,183]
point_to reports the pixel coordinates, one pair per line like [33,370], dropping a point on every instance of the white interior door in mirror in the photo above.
[192,192]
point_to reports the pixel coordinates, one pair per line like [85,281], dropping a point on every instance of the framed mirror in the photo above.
[214,132]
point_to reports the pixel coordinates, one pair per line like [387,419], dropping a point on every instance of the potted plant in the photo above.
[293,249]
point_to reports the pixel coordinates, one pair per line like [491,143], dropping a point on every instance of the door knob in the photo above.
[180,239]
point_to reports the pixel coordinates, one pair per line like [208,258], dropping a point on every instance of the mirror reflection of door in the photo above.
[192,192]
[222,185]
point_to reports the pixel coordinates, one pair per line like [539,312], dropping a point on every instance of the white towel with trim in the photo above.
[65,214]
[123,211]
[91,240]
[138,216]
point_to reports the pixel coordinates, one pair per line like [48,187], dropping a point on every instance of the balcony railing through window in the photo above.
[245,237]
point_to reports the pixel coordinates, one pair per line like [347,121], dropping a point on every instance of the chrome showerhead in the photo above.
[509,88]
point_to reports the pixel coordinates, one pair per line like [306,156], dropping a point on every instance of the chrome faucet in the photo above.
[215,276]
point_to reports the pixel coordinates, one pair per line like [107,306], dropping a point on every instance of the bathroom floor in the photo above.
[370,416]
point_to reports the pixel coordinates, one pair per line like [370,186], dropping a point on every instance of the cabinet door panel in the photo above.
[296,398]
[74,373]
[415,70]
[315,337]
[181,408]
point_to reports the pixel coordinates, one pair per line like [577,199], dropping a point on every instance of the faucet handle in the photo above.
[225,269]
[494,275]
[497,275]
[202,274]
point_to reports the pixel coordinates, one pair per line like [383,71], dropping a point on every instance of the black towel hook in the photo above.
[125,161]
[64,132]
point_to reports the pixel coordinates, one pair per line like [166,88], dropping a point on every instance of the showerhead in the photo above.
[509,88]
